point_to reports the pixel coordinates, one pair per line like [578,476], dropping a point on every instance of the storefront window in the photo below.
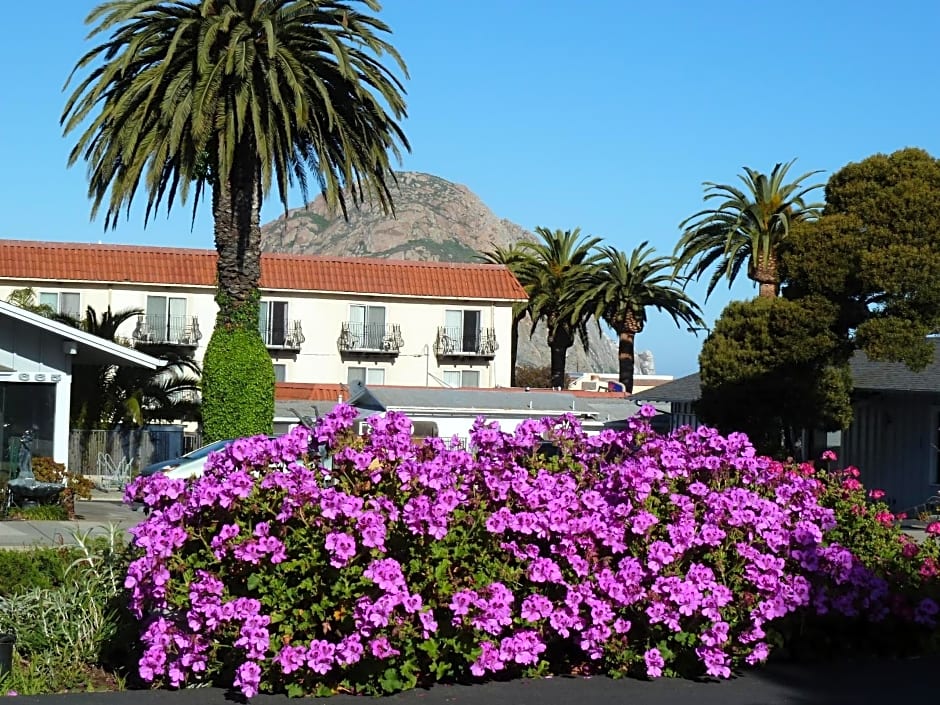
[25,406]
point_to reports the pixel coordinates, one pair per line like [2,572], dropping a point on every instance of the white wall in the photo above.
[321,316]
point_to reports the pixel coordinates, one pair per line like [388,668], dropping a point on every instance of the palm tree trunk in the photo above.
[767,277]
[625,356]
[559,340]
[514,348]
[236,210]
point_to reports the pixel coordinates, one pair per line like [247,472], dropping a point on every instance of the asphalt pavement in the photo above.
[852,683]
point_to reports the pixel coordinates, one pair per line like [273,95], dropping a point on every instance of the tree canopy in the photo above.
[769,368]
[747,227]
[875,255]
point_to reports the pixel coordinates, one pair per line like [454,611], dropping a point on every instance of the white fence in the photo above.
[111,458]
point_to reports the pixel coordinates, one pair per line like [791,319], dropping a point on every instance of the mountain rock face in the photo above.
[434,219]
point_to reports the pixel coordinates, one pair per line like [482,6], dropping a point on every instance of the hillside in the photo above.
[435,220]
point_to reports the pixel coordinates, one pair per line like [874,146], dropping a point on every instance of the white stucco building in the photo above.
[324,319]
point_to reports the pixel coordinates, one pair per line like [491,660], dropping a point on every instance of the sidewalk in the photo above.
[104,510]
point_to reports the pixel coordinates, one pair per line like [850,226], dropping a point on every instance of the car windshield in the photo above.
[205,450]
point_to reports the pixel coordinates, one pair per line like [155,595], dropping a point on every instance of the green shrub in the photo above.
[40,512]
[70,628]
[238,385]
[41,568]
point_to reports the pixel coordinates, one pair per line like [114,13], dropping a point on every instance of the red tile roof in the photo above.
[23,259]
[306,391]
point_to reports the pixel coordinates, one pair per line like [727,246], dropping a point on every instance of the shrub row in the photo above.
[404,564]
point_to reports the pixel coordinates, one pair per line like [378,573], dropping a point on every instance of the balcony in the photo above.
[459,342]
[370,338]
[287,336]
[182,331]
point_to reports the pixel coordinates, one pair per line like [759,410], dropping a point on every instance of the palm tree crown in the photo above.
[620,290]
[551,270]
[214,92]
[747,226]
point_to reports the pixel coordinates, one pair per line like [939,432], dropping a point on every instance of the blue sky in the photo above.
[605,115]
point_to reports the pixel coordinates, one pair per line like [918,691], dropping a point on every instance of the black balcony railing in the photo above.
[382,338]
[167,330]
[288,336]
[465,342]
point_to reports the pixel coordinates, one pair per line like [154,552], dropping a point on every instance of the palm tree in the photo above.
[104,396]
[747,225]
[512,258]
[620,290]
[237,97]
[551,270]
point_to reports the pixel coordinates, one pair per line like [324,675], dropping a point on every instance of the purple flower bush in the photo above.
[407,563]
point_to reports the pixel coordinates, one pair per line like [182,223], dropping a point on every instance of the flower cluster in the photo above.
[623,552]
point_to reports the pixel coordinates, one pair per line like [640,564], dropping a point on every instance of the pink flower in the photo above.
[934,528]
[876,494]
[828,455]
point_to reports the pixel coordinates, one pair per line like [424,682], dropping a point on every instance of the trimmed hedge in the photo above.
[238,385]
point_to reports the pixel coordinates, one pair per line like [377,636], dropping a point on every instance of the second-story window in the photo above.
[166,318]
[65,303]
[462,327]
[462,378]
[272,322]
[367,326]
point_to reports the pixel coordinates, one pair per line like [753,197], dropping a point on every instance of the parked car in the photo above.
[199,453]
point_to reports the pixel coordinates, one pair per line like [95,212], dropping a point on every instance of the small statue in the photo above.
[644,363]
[25,460]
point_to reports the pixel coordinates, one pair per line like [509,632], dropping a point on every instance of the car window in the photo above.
[205,450]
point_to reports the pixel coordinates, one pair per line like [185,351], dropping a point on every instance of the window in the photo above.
[280,372]
[272,322]
[462,378]
[166,318]
[463,328]
[365,375]
[67,304]
[367,326]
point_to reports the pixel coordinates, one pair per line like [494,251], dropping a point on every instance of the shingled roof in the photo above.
[867,375]
[82,262]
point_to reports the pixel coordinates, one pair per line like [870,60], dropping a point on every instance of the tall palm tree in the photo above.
[747,226]
[236,97]
[552,270]
[512,257]
[104,396]
[620,290]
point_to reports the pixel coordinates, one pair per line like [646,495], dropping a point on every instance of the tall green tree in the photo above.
[875,255]
[621,288]
[512,257]
[746,226]
[553,271]
[237,97]
[770,368]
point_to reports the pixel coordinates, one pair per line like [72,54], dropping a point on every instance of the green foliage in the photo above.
[622,287]
[181,97]
[772,367]
[104,396]
[552,270]
[747,226]
[43,568]
[68,625]
[238,384]
[875,255]
[40,512]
